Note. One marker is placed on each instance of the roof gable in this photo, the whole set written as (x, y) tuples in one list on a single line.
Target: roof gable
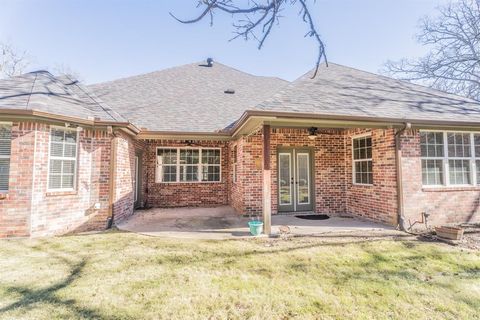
[(188, 98)]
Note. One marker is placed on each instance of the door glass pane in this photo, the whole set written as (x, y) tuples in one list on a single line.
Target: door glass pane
[(284, 177), (303, 178)]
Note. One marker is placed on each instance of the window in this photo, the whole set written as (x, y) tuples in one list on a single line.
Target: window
[(459, 153), (189, 160), (362, 160), (432, 153), (450, 158), (188, 165), (5, 150), (62, 159), (234, 169), (167, 165)]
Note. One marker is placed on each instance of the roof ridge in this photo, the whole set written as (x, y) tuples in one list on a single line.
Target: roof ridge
[(197, 63), (93, 98), (31, 91)]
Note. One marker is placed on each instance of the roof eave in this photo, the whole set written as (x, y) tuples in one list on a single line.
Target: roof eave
[(275, 116)]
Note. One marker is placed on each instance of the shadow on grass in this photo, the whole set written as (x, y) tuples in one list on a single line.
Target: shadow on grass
[(48, 295)]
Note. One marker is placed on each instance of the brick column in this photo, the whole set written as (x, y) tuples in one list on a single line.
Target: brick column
[(267, 182)]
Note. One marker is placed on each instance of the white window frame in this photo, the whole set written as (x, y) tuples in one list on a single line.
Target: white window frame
[(9, 157), (50, 157), (445, 160), (354, 161), (178, 165), (234, 164)]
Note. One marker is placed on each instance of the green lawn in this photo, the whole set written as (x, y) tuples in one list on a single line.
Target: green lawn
[(120, 275)]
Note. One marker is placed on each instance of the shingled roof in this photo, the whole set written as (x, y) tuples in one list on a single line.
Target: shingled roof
[(41, 91), (188, 98), (342, 91)]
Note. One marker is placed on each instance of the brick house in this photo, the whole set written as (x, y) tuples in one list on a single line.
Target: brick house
[(348, 142)]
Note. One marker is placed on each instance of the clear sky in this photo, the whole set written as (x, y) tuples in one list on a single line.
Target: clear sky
[(103, 40)]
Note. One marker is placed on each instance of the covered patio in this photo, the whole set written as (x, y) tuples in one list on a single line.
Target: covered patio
[(222, 222)]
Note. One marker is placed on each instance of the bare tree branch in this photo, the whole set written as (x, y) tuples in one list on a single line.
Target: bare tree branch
[(453, 63), (257, 20), (12, 62)]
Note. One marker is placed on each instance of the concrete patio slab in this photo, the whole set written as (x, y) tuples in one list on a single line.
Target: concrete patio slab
[(224, 223)]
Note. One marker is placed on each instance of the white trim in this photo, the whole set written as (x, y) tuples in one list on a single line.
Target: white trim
[(135, 184), (178, 165), (354, 161), (294, 165), (75, 174), (289, 154), (361, 135), (9, 157), (445, 160), (308, 178), (234, 163)]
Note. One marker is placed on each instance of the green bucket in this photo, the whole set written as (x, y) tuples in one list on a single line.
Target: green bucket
[(256, 227)]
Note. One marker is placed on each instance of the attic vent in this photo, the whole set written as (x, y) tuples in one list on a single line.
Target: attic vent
[(209, 62), (229, 91)]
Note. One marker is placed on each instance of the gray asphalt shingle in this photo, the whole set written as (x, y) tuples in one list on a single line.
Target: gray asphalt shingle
[(41, 91), (188, 98), (344, 91)]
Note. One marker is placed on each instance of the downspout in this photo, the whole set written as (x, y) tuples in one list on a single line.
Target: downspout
[(113, 169), (398, 161)]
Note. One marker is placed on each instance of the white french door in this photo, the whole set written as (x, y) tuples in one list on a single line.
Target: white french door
[(295, 180)]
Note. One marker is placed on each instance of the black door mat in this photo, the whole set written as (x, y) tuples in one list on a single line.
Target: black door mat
[(313, 216)]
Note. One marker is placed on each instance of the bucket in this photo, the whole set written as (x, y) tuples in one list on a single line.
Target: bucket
[(256, 227)]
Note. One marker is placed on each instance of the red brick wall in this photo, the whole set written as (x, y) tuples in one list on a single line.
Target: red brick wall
[(15, 208), (236, 187), (84, 209), (184, 193), (126, 147), (329, 169), (445, 204), (30, 210), (377, 202), (335, 193)]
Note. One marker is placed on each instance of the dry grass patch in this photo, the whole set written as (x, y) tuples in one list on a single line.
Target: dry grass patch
[(128, 276)]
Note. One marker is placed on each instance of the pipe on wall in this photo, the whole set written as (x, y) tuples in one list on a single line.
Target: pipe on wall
[(398, 158)]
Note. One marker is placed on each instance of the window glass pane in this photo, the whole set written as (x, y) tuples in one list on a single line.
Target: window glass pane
[(476, 139), (458, 144), (477, 165), (169, 173), (432, 172), (62, 171), (55, 181), (189, 173), (4, 173), (362, 148), (5, 140), (363, 172), (55, 166), (56, 149), (431, 144), (210, 156), (68, 167), (57, 135), (71, 136), (211, 173), (166, 156), (459, 171), (70, 150), (67, 181), (189, 156)]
